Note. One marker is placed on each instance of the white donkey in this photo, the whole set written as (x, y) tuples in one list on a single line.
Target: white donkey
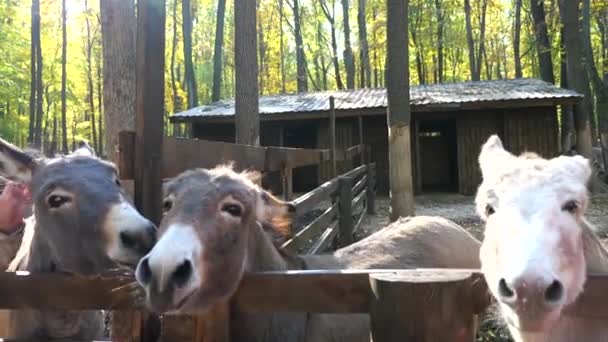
[(538, 248)]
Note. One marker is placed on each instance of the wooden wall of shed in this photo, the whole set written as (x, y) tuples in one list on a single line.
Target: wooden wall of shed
[(532, 130), (375, 135), (346, 136), (225, 132), (473, 129)]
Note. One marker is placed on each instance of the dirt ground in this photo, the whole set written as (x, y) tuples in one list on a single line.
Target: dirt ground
[(461, 210)]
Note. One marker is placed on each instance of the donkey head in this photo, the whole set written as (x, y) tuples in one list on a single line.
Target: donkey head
[(83, 217), (532, 255), (203, 243)]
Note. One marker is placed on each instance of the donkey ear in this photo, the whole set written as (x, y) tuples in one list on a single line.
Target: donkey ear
[(15, 164), (274, 212), (492, 156), (84, 149)]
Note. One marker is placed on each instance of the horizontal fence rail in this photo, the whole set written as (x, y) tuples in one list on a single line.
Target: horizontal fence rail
[(350, 196), (316, 291)]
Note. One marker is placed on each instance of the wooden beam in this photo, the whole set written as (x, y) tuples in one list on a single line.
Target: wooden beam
[(325, 240), (126, 154), (313, 229), (422, 307), (332, 135), (149, 106), (312, 198), (345, 236), (362, 155), (371, 189)]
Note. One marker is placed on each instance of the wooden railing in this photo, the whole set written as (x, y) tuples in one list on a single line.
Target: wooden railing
[(404, 305), (351, 194)]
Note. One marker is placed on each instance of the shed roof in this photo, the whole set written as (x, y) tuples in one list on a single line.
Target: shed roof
[(446, 96)]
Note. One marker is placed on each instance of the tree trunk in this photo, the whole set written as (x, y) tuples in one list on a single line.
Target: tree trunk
[(543, 44), (300, 55), (176, 99), (330, 15), (187, 33), (577, 77), (39, 90), (440, 29), (118, 36), (176, 104), (365, 74), (600, 86), (100, 136), (349, 58), (282, 46), (64, 52), (246, 73), (91, 95), (568, 138), (400, 163), (482, 37), (261, 52), (470, 41), (218, 51), (35, 31), (516, 39)]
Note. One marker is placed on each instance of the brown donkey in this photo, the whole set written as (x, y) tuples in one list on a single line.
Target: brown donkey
[(82, 224), (538, 247), (219, 224)]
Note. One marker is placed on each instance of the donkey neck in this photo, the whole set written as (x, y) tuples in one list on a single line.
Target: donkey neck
[(263, 255)]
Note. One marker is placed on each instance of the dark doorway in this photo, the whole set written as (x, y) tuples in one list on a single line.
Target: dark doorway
[(302, 135), (438, 155)]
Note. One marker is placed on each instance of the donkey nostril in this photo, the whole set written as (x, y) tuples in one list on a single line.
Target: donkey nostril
[(182, 273), (554, 292), (143, 272), (504, 291), (127, 240)]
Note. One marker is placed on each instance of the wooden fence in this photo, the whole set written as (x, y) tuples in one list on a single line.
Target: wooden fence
[(404, 305), (350, 198)]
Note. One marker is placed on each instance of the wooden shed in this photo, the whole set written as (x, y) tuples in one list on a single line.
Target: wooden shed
[(449, 121)]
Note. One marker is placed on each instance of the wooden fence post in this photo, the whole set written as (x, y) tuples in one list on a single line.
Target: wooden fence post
[(422, 307), (370, 190), (287, 176), (332, 135), (346, 224)]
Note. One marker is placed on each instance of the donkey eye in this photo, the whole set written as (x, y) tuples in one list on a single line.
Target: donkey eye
[(56, 201), (167, 204), (570, 206), (232, 209), (489, 210), (117, 181)]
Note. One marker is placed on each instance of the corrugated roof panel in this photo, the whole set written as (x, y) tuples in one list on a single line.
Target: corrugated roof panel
[(422, 95)]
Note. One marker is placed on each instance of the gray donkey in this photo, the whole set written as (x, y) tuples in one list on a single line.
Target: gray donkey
[(82, 224)]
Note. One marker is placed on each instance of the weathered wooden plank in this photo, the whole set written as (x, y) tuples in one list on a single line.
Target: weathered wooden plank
[(351, 152), (312, 230), (329, 291), (325, 240), (345, 218), (371, 189), (287, 174), (422, 307), (126, 154), (355, 173), (358, 201), (360, 220), (149, 107), (332, 136), (361, 184), (312, 198), (214, 326)]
